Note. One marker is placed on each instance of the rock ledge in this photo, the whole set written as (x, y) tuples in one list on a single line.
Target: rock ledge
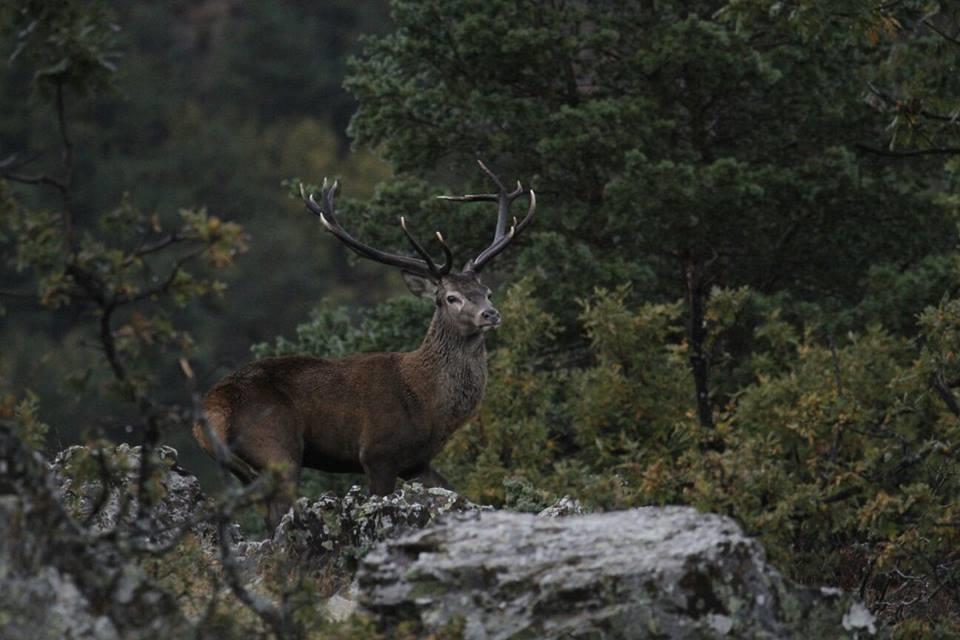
[(644, 573)]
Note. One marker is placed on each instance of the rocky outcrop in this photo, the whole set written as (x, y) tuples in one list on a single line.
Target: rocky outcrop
[(59, 579), (645, 573), (339, 530), (48, 605), (100, 489), (429, 561), (565, 506)]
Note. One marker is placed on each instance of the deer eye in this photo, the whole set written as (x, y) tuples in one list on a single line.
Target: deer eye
[(452, 299)]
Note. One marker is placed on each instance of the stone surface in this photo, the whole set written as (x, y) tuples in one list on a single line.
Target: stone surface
[(338, 608), (565, 506), (315, 532), (177, 495), (645, 573), (59, 579), (48, 606), (428, 558)]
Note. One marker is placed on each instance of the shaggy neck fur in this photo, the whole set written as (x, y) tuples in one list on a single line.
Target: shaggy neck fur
[(458, 367)]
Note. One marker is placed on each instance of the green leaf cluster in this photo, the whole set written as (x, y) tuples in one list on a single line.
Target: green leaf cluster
[(68, 43)]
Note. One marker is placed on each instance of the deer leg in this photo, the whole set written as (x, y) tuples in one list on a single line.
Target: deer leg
[(270, 441), (282, 499), (428, 476), (381, 474)]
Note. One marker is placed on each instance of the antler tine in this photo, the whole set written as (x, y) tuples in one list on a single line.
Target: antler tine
[(313, 206), (438, 272), (471, 197), (503, 198), (492, 175), (500, 243), (327, 215), (447, 255), (329, 194)]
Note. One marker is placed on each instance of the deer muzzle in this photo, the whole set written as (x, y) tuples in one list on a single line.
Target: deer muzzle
[(490, 317)]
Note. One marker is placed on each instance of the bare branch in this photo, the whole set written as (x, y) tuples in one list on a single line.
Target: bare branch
[(264, 609), (13, 161), (159, 245), (36, 179), (898, 105), (166, 284), (936, 382), (110, 346), (946, 151), (946, 36), (18, 295), (105, 479), (272, 616), (69, 241)]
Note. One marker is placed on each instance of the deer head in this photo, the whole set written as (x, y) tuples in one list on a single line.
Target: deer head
[(462, 300)]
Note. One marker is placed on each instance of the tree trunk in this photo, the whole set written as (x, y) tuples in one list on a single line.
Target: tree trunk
[(696, 336)]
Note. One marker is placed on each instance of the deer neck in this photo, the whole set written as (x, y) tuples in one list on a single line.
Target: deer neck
[(453, 368)]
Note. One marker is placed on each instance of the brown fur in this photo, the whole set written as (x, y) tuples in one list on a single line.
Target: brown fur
[(385, 414)]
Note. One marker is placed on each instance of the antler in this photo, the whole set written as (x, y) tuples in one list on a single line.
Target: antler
[(424, 266), (501, 237)]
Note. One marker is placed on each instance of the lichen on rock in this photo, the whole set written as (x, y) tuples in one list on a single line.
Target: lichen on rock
[(82, 473), (429, 561), (330, 528), (653, 572), (55, 572)]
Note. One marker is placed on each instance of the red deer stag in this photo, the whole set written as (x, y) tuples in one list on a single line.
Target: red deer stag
[(386, 414)]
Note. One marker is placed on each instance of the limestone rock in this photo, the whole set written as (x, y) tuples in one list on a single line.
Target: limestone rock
[(644, 573), (78, 471), (54, 571), (336, 529), (48, 606), (565, 506)]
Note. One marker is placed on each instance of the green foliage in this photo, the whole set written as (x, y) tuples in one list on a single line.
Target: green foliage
[(917, 99), (395, 325), (24, 415), (841, 458), (71, 43), (520, 495), (659, 137), (128, 266)]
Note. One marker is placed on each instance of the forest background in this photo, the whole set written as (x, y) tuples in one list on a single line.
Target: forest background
[(739, 292)]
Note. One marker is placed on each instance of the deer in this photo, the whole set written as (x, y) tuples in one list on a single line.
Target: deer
[(386, 415)]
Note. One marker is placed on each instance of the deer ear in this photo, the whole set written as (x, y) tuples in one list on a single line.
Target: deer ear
[(420, 285)]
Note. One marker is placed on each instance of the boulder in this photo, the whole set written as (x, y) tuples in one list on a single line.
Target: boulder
[(315, 533), (59, 579), (644, 573), (563, 507), (429, 561), (48, 605), (82, 473)]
